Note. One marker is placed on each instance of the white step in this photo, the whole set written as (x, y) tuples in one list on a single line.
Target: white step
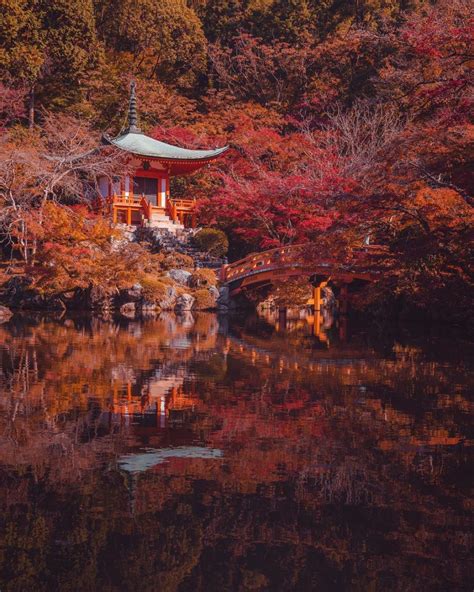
[(170, 226)]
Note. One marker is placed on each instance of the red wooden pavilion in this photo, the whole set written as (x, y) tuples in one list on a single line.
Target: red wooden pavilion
[(144, 198)]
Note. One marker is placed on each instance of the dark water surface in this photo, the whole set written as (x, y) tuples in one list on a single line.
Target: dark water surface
[(196, 453)]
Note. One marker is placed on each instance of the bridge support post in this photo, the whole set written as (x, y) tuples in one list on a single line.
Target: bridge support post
[(344, 299), (343, 328), (317, 298), (282, 318), (317, 295), (317, 323)]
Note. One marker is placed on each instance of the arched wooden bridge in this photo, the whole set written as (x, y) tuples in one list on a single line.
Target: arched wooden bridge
[(269, 267)]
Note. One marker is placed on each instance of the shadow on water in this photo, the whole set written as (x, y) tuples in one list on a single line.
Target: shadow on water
[(206, 453)]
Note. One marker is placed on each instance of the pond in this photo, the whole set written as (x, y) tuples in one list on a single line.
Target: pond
[(202, 453)]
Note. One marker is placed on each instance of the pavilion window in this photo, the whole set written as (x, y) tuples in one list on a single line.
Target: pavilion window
[(116, 186), (104, 186), (147, 187)]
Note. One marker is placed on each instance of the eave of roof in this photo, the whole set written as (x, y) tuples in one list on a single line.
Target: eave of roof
[(142, 145)]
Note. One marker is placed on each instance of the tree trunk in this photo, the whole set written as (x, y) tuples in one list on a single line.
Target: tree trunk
[(31, 108)]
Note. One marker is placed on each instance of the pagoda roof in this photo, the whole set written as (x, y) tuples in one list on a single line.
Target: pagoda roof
[(138, 143)]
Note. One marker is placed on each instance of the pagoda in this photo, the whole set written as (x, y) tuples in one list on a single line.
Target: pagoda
[(143, 199)]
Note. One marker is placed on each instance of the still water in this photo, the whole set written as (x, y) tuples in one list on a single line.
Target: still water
[(198, 453)]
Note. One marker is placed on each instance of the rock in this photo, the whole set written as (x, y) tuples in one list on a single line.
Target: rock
[(180, 276), (184, 303), (134, 293), (38, 302), (223, 300), (214, 292), (166, 301), (98, 301), (169, 300), (16, 287), (5, 314), (128, 310)]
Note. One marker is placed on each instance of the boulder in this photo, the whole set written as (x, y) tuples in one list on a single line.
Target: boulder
[(169, 299), (184, 303), (5, 314), (39, 302), (180, 276), (128, 310), (165, 301), (100, 302), (214, 292), (223, 300), (134, 293)]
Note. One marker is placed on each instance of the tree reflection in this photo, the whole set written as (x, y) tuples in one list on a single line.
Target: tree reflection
[(265, 462)]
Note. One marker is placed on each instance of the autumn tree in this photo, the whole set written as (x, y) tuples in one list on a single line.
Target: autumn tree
[(59, 163), (252, 70), (64, 236), (12, 105)]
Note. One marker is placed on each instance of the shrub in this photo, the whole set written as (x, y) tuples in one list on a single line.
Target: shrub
[(203, 278), (212, 241), (204, 300), (154, 288), (178, 261)]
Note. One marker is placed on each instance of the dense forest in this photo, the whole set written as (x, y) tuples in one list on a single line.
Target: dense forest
[(350, 122)]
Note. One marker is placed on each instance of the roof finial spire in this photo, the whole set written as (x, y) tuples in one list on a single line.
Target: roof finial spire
[(132, 111)]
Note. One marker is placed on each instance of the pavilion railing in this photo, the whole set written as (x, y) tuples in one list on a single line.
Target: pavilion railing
[(176, 209), (184, 204), (126, 199)]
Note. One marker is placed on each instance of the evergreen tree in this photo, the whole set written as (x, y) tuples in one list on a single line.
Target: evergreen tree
[(73, 50), (22, 42), (160, 38)]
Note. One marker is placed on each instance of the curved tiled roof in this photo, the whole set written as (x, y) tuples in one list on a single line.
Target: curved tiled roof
[(138, 143)]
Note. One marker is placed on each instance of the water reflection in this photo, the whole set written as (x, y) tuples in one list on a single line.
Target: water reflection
[(190, 453)]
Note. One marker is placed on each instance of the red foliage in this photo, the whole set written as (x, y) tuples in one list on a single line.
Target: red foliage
[(12, 105)]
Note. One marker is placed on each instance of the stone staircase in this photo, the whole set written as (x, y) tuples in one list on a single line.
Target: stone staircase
[(178, 240)]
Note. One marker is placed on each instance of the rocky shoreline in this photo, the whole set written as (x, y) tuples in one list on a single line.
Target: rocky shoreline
[(178, 290)]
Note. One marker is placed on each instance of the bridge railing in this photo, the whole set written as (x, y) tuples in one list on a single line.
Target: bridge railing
[(257, 262), (293, 256)]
